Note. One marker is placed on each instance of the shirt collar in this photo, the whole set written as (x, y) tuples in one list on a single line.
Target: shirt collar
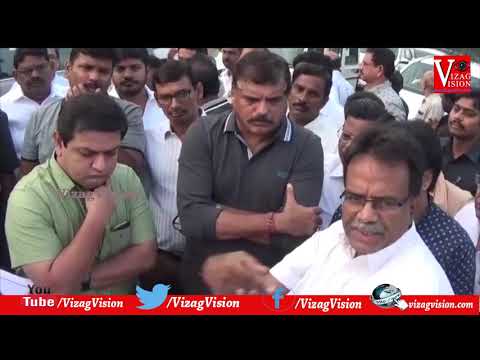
[(59, 176), (384, 85), (285, 131), (325, 110), (16, 92), (213, 103), (473, 154), (337, 167), (378, 259)]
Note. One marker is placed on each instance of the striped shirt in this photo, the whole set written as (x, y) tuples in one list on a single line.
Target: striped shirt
[(163, 151)]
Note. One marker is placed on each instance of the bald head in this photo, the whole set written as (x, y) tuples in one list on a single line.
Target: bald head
[(427, 83)]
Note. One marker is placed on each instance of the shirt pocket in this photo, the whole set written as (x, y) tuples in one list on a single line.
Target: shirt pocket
[(119, 238)]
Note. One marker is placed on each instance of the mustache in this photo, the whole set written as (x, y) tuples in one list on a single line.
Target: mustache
[(261, 119), (375, 228), (92, 86), (36, 82), (456, 123), (301, 104), (128, 81)]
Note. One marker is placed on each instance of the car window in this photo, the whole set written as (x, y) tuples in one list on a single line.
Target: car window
[(395, 51), (421, 53), (6, 62), (412, 76), (351, 56), (473, 52)]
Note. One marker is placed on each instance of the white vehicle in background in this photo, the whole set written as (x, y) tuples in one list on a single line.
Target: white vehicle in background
[(412, 76), (403, 56)]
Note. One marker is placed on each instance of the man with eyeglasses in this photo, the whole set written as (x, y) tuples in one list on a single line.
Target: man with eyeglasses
[(376, 70), (33, 73), (375, 243), (446, 237), (250, 179), (177, 93), (363, 110), (89, 70), (461, 151)]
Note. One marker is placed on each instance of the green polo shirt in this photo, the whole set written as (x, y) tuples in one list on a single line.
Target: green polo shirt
[(43, 217)]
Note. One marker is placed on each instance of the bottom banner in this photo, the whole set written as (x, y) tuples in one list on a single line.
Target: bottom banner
[(276, 304)]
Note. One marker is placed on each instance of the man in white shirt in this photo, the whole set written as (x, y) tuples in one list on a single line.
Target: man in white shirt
[(363, 110), (177, 92), (376, 69), (343, 89), (206, 75), (309, 104), (431, 110), (33, 73), (60, 81), (130, 75), (230, 56), (375, 243)]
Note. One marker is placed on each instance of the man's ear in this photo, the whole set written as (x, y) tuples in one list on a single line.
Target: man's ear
[(58, 141), (15, 74), (427, 179), (382, 69), (51, 67), (68, 68), (199, 92)]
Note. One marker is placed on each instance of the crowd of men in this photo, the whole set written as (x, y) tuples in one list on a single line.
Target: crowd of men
[(133, 170)]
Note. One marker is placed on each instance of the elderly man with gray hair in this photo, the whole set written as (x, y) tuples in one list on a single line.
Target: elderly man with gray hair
[(431, 110)]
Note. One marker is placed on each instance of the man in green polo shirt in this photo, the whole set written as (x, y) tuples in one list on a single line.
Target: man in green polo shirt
[(79, 223)]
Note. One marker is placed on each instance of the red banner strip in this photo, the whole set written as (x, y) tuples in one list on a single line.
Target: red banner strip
[(234, 305)]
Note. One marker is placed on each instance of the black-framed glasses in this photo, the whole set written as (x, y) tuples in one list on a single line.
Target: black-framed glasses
[(181, 95), (378, 203), (41, 69)]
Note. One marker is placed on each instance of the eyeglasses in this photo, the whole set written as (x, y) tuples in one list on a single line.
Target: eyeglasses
[(179, 96), (41, 69), (378, 203)]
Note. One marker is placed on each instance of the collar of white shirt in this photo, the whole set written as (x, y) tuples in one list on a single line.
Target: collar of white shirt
[(16, 93), (150, 95), (378, 259), (333, 165)]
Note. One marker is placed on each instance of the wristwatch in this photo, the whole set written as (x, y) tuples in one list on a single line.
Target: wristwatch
[(86, 283)]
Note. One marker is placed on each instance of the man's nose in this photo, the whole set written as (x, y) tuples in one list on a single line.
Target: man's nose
[(367, 213), (302, 96), (99, 163), (174, 103), (262, 108), (94, 75)]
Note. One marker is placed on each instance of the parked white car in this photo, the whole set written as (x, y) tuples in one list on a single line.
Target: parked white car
[(412, 76)]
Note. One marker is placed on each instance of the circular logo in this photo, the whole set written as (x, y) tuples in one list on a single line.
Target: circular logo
[(388, 296), (461, 65)]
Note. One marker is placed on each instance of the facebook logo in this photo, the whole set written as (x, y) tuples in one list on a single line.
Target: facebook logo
[(277, 296)]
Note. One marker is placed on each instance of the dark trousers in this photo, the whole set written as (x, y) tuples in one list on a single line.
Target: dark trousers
[(165, 271), (4, 254)]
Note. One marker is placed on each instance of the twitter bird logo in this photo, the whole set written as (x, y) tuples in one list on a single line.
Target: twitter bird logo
[(152, 299)]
